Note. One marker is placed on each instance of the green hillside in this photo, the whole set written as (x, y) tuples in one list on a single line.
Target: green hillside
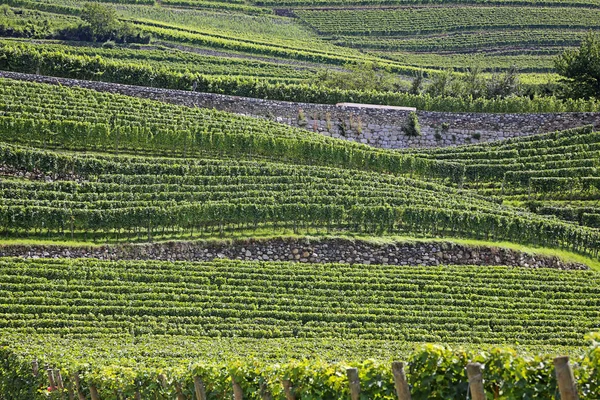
[(436, 257), (275, 50), (551, 174), (81, 166)]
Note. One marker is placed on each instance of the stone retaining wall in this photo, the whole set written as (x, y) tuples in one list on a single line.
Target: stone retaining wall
[(317, 250), (378, 127)]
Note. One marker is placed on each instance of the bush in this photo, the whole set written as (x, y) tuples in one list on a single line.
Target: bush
[(580, 68), (102, 25), (412, 127)]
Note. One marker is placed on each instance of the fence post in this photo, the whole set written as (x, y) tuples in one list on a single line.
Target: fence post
[(35, 367), (288, 389), (354, 383), (70, 391), (51, 379), (94, 393), (238, 393), (80, 395), (475, 374), (567, 385), (59, 382), (58, 379), (402, 389), (265, 394), (180, 395), (199, 388)]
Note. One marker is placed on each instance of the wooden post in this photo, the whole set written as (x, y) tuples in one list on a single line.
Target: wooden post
[(265, 394), (238, 393), (199, 388), (59, 382), (94, 393), (35, 367), (70, 391), (80, 395), (402, 389), (163, 380), (354, 383), (51, 379), (180, 395), (58, 379), (288, 389), (475, 374), (567, 385)]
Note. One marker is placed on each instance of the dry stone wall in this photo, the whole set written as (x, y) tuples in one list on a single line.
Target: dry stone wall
[(316, 250), (379, 127)]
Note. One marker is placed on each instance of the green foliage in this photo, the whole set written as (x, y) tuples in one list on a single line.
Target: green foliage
[(102, 19), (120, 367), (59, 63), (554, 173), (401, 22), (33, 24), (581, 68), (472, 85), (361, 77), (228, 298), (412, 127)]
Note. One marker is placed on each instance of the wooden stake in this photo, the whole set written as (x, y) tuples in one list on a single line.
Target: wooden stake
[(58, 379), (567, 385), (35, 367), (163, 380), (71, 392), (475, 374), (265, 394), (288, 389), (352, 374), (402, 389), (94, 393), (51, 379), (199, 388), (238, 393), (180, 395), (80, 395)]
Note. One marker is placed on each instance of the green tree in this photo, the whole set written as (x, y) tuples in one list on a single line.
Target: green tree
[(363, 76), (504, 85), (441, 83), (102, 20), (581, 68), (417, 83), (474, 83)]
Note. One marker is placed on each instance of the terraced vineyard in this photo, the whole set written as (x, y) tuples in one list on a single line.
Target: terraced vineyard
[(269, 56), (552, 174), (154, 171), (301, 256)]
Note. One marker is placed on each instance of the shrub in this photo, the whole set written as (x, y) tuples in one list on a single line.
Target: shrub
[(412, 127)]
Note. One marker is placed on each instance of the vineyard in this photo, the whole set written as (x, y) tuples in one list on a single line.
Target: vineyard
[(553, 174), (271, 50), (153, 247)]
